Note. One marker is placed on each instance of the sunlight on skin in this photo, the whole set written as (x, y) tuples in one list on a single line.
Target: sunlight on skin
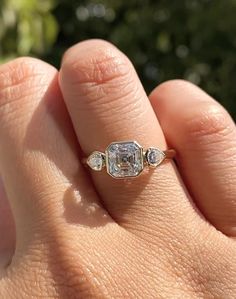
[(82, 234)]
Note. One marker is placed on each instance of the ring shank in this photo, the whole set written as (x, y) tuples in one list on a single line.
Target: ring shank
[(170, 153)]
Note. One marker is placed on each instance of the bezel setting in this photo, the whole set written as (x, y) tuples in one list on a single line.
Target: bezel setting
[(96, 161), (154, 156), (124, 159), (127, 159)]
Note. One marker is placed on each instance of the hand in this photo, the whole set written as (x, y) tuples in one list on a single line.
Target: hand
[(81, 234)]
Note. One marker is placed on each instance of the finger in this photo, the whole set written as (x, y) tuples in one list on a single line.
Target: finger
[(205, 137), (107, 103), (7, 229), (39, 154), (63, 235)]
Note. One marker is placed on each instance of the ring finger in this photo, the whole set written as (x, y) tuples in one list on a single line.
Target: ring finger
[(107, 103)]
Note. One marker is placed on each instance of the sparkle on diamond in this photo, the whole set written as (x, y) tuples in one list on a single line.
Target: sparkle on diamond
[(154, 156), (96, 161), (124, 159)]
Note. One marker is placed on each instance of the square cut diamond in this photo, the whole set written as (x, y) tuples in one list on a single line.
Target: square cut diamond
[(124, 159)]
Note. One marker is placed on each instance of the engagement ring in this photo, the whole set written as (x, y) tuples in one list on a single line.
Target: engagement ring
[(127, 159)]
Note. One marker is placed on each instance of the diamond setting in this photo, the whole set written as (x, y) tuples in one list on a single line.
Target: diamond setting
[(154, 156), (96, 161), (124, 159)]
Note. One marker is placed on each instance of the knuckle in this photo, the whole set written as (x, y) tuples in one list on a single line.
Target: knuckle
[(100, 65), (175, 83), (102, 71), (210, 121), (21, 77), (17, 71), (165, 89)]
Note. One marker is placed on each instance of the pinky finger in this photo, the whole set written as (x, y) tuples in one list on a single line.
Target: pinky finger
[(205, 137)]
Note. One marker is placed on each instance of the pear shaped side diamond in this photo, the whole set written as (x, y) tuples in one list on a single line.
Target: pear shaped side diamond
[(96, 161), (154, 156)]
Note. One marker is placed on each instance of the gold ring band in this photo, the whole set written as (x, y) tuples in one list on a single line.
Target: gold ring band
[(170, 153), (126, 159)]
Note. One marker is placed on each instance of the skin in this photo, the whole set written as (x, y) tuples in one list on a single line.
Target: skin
[(170, 233)]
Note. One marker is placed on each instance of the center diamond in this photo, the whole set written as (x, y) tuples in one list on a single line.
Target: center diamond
[(124, 159)]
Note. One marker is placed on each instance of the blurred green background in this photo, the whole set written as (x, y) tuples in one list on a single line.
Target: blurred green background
[(191, 39)]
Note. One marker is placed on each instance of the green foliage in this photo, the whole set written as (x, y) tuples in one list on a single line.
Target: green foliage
[(26, 27), (190, 39)]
